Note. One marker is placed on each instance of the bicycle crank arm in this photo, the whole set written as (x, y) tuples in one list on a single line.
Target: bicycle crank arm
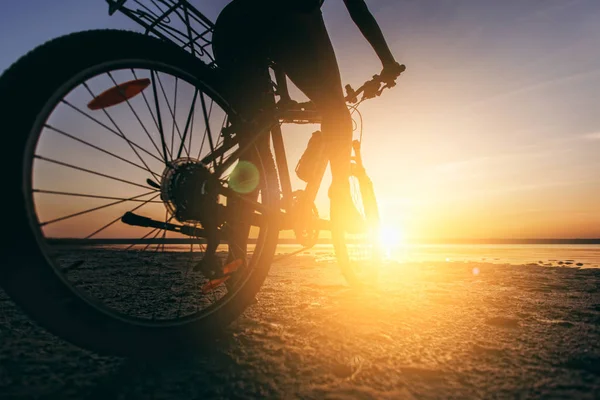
[(130, 218), (288, 222)]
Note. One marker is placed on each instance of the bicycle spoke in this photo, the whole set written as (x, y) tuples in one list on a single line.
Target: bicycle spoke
[(94, 209), (206, 129), (93, 196), (135, 114), (142, 238), (198, 287), (110, 118), (202, 143), (146, 101), (170, 109), (88, 171), (153, 238), (174, 119), (119, 218), (97, 148), (207, 122), (153, 318), (160, 124), (164, 236), (187, 271), (187, 126), (192, 126), (119, 134), (222, 137)]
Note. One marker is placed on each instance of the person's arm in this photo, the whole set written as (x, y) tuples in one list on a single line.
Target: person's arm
[(364, 20)]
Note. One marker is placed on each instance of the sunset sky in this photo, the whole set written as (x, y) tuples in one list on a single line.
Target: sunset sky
[(493, 131)]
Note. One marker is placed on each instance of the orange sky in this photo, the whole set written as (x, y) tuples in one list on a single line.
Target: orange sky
[(493, 131)]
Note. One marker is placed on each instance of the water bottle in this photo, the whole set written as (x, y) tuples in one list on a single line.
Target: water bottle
[(309, 161)]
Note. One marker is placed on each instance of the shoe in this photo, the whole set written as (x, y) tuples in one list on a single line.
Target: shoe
[(343, 212), (210, 266)]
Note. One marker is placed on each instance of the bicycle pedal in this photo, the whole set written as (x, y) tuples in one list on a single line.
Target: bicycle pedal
[(227, 272)]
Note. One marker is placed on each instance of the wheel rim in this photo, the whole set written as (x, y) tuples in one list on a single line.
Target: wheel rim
[(86, 168), (360, 254)]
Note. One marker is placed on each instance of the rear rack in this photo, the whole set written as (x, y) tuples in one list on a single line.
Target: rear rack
[(176, 21)]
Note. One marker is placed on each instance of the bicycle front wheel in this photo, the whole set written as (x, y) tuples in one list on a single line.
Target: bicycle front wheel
[(360, 255), (121, 202)]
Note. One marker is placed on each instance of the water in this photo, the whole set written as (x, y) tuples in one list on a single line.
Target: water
[(559, 255), (548, 254)]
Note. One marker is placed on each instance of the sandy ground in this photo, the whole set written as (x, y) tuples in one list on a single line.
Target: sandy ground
[(431, 330)]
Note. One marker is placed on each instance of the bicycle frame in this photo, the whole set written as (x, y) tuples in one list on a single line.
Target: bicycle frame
[(181, 23), (273, 127)]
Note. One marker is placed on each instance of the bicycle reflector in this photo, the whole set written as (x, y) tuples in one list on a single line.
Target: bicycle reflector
[(118, 94)]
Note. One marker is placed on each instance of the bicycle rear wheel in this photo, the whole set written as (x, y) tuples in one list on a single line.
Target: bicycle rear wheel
[(121, 202), (360, 255)]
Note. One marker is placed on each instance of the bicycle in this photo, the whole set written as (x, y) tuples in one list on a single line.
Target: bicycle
[(119, 281)]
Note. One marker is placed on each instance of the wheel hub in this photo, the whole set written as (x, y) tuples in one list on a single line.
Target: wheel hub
[(188, 190)]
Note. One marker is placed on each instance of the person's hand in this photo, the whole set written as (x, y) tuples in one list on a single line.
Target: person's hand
[(391, 71)]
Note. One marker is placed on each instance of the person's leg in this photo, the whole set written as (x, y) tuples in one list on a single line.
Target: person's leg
[(256, 97), (305, 51), (303, 48), (240, 55)]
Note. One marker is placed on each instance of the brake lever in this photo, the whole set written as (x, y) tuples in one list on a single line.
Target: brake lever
[(351, 94), (370, 89)]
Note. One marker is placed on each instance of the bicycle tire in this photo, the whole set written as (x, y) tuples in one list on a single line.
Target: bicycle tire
[(359, 255), (26, 274)]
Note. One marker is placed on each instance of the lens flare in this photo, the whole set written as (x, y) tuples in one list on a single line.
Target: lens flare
[(244, 178), (389, 238)]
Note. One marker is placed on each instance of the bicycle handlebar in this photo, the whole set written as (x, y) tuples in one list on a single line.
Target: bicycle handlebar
[(369, 90), (372, 88)]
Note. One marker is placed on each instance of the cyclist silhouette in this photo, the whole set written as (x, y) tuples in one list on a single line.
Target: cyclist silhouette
[(292, 33)]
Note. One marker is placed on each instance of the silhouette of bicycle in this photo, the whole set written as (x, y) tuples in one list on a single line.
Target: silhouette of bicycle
[(144, 216)]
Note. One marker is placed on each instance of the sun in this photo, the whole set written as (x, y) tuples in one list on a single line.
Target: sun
[(390, 237)]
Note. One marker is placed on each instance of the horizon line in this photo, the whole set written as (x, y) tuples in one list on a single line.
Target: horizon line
[(115, 241)]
